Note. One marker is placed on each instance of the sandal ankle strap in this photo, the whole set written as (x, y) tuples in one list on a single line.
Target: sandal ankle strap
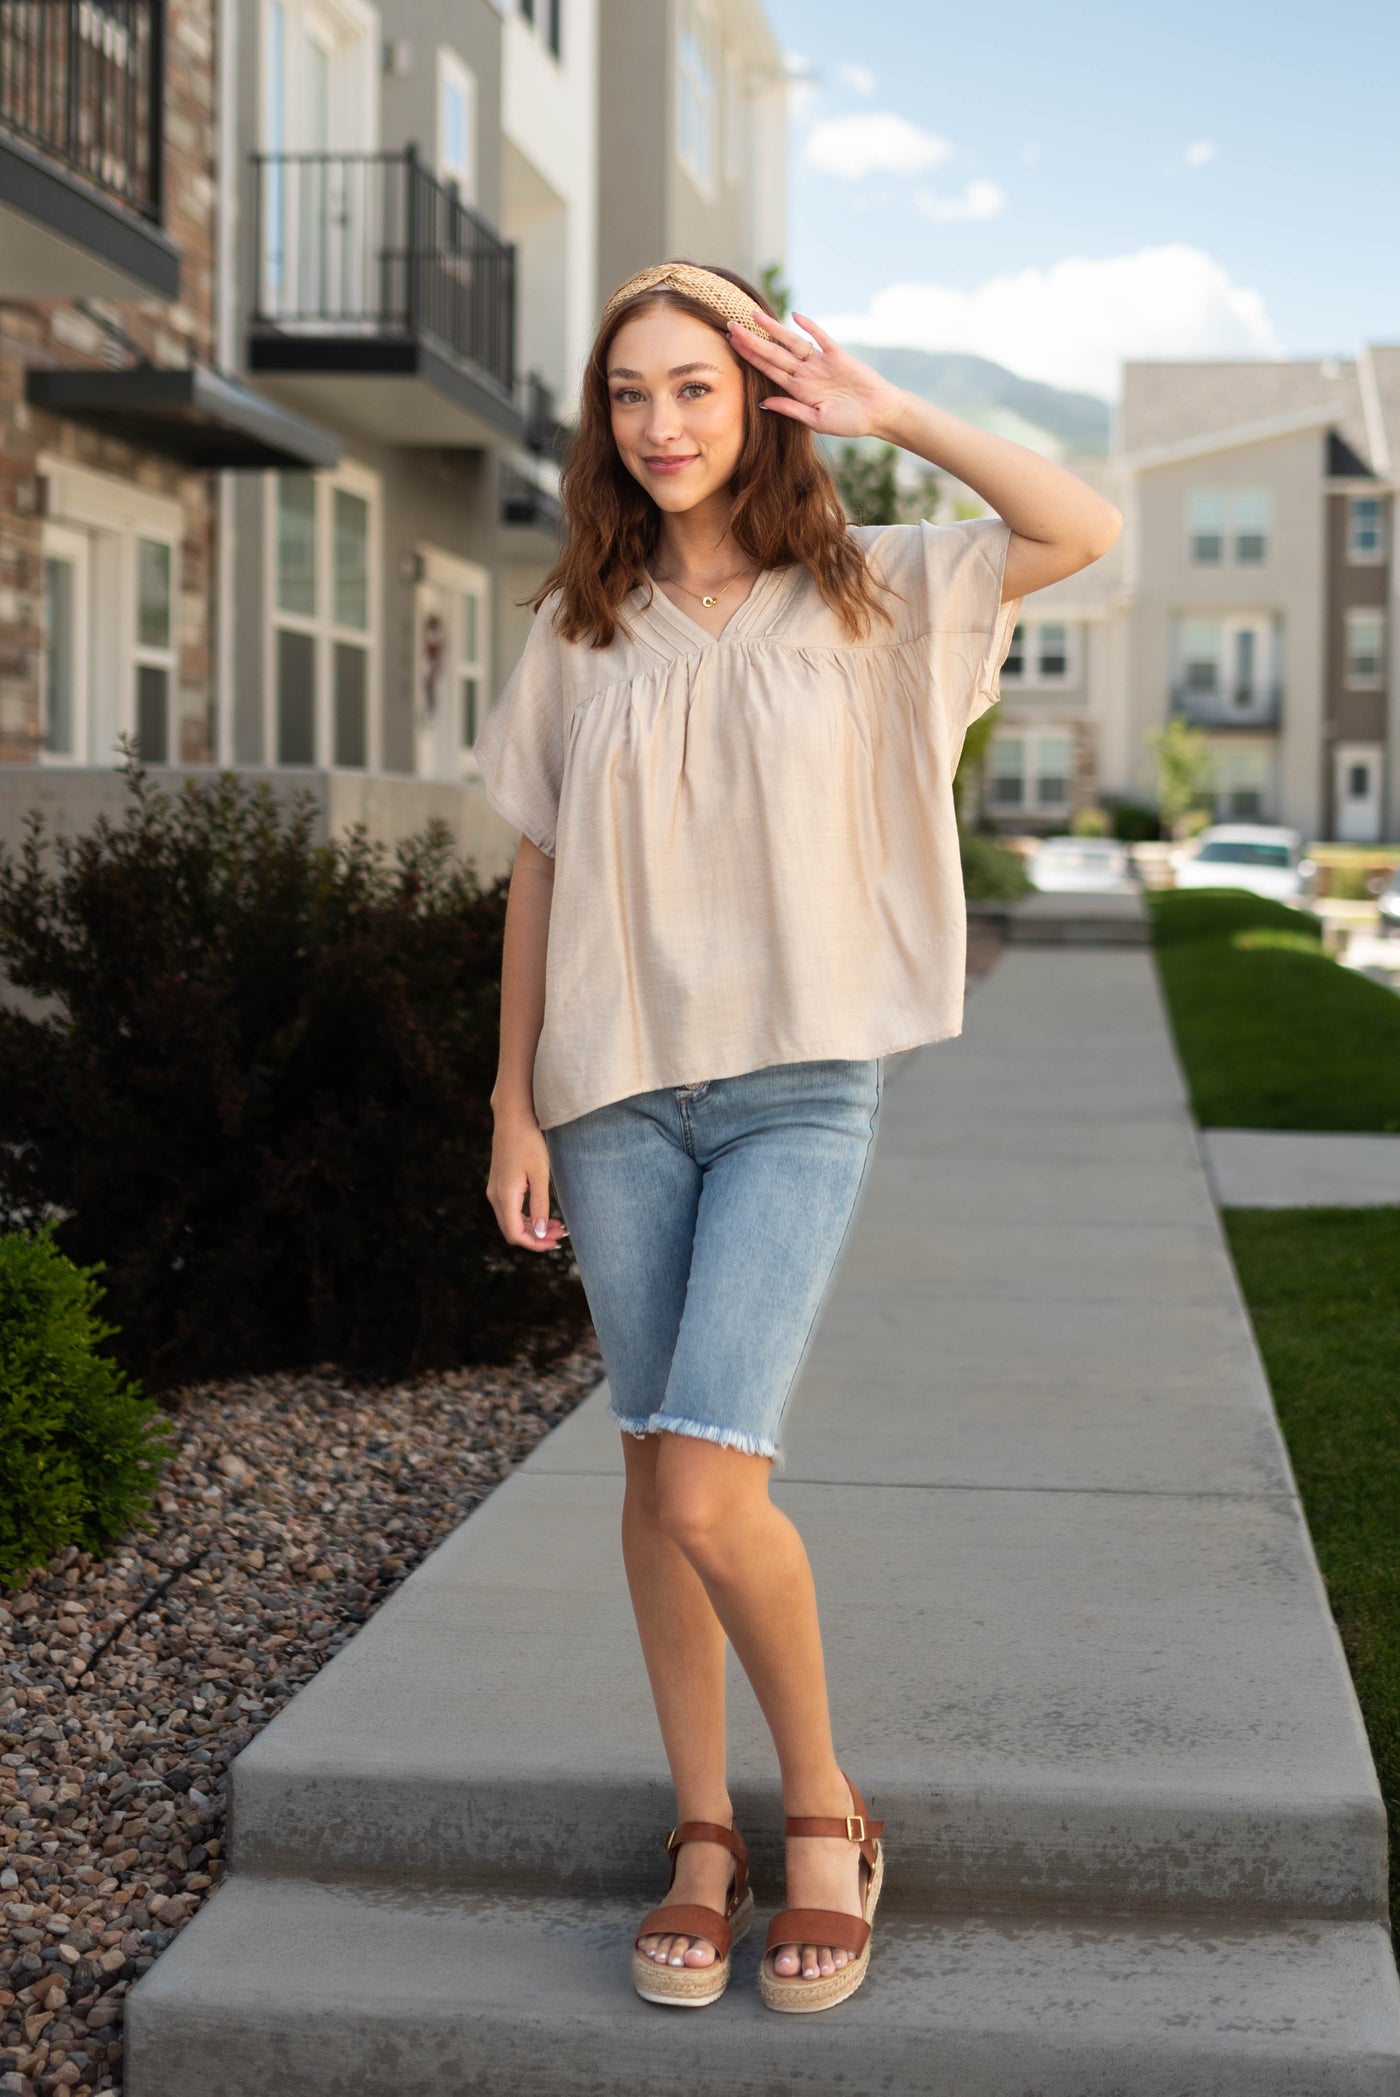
[(712, 1831), (848, 1827)]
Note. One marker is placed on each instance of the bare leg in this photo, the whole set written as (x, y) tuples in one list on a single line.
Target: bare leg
[(683, 1643), (711, 1505)]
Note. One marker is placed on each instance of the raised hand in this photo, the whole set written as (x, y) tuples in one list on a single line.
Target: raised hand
[(826, 387)]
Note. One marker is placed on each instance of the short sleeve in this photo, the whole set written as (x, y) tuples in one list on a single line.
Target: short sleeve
[(520, 749), (970, 629)]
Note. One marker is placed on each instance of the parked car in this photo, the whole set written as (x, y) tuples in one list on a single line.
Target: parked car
[(1265, 859), (1388, 904), (1067, 863)]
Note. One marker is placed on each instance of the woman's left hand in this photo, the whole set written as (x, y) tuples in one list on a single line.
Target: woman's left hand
[(825, 386)]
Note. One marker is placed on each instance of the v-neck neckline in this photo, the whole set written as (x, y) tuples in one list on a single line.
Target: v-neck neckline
[(736, 624)]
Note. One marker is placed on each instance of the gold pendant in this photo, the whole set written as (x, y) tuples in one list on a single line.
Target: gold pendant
[(709, 600)]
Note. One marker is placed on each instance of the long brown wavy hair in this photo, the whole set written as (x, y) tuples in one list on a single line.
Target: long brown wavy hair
[(786, 508)]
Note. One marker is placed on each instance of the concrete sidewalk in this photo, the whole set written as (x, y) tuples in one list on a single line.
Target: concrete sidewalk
[(1301, 1169), (1081, 1659)]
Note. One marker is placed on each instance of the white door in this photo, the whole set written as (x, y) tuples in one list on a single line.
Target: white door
[(449, 664), (66, 733), (1358, 793)]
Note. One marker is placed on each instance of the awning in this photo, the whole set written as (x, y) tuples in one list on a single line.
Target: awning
[(198, 416)]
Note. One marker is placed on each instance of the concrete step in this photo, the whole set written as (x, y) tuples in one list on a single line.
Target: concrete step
[(1131, 1700), (304, 1989)]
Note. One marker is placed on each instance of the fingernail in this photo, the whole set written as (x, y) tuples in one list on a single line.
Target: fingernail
[(541, 1227)]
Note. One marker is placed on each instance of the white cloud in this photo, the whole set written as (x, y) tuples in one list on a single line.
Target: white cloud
[(979, 199), (873, 142), (859, 79), (803, 84), (1200, 151), (1073, 323)]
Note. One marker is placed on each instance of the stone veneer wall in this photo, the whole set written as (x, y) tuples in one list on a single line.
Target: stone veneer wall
[(53, 333)]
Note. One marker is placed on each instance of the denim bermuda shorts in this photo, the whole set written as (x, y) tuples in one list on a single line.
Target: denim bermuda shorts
[(708, 1222)]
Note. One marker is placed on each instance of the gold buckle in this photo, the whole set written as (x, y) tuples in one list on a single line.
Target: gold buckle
[(854, 1821), (671, 1840)]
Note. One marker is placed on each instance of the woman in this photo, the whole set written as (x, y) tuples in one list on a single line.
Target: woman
[(729, 748)]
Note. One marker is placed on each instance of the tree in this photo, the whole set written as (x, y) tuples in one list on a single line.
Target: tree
[(770, 279), (1185, 773)]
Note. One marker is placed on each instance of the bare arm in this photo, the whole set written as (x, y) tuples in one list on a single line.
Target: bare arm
[(519, 1155), (1058, 522)]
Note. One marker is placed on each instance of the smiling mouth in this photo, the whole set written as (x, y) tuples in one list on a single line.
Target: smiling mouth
[(666, 462)]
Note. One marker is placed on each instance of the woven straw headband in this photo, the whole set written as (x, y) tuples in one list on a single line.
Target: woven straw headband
[(716, 292)]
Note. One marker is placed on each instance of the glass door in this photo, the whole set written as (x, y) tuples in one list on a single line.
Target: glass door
[(65, 733)]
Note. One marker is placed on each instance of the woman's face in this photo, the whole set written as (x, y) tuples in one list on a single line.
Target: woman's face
[(677, 400)]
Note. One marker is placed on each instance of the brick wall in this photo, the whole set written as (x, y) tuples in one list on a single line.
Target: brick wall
[(54, 334)]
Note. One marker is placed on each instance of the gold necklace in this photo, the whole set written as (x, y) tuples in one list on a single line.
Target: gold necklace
[(715, 597)]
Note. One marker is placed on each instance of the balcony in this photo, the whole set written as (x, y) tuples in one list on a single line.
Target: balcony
[(82, 130), (382, 301), (1230, 707)]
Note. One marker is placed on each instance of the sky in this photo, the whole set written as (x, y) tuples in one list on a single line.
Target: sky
[(1058, 187)]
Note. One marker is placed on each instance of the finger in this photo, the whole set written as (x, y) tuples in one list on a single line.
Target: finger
[(539, 1204), (796, 410), (774, 358), (818, 335), (785, 334)]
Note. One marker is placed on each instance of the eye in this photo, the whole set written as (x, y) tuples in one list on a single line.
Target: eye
[(695, 386), (624, 395)]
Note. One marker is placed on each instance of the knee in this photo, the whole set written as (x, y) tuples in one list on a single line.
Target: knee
[(697, 1516)]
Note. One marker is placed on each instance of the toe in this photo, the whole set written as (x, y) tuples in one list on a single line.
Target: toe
[(825, 1959), (811, 1965), (679, 1947), (785, 1961), (700, 1953)]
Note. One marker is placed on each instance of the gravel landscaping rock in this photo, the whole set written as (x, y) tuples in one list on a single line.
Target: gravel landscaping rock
[(292, 1505)]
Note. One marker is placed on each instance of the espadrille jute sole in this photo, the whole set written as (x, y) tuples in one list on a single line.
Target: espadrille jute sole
[(795, 1995), (691, 1987)]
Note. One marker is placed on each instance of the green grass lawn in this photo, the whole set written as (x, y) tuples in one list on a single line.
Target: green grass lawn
[(1272, 1033), (1323, 1288)]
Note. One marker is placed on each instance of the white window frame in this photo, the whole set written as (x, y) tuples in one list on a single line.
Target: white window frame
[(1364, 680), (1032, 771), (1371, 557), (1229, 503), (62, 543), (459, 579), (112, 515), (697, 87), (320, 626), (145, 655), (1229, 625), (1030, 677), (350, 31), (453, 73)]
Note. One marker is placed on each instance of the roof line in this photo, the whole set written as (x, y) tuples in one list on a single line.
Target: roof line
[(1376, 438), (1295, 420)]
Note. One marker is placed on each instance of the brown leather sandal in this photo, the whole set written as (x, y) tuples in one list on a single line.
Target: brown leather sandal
[(799, 1926), (690, 1987)]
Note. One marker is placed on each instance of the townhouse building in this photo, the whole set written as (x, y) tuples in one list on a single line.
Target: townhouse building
[(319, 362), (1252, 593)]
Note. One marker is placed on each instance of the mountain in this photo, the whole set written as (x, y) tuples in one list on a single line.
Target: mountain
[(1047, 418)]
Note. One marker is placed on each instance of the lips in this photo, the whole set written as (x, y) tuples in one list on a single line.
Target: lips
[(667, 464)]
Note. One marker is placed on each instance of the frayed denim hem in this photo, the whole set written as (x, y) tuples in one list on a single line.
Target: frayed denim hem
[(703, 1431)]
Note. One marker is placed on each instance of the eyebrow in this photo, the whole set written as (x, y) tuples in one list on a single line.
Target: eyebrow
[(677, 371)]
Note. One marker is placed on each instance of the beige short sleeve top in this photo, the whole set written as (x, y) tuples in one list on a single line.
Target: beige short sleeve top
[(756, 853)]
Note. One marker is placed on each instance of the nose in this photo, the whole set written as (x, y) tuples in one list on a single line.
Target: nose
[(663, 423)]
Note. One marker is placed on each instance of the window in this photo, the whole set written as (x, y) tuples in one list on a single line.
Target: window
[(323, 623), (473, 664), (456, 150), (1052, 655), (1200, 654), (1207, 528), (1031, 772), (1009, 771), (1358, 782), (554, 27), (1239, 521), (1251, 527), (1365, 530), (1042, 652), (695, 92), (65, 674), (155, 659), (1365, 648)]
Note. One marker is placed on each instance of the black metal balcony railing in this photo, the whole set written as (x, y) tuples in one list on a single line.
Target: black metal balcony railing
[(372, 244), (82, 82), (1234, 706)]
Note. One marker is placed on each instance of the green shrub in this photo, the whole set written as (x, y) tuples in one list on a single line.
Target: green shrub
[(991, 874), (263, 1096), (1089, 822), (81, 1450), (1134, 822)]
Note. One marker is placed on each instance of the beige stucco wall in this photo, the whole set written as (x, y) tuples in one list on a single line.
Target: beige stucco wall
[(1289, 584)]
